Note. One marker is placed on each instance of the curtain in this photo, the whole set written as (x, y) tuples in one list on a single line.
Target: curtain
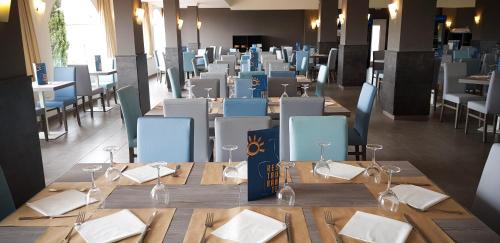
[(105, 9), (147, 30), (30, 43)]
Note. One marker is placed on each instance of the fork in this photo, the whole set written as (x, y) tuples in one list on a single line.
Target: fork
[(209, 222), (79, 221), (330, 221), (288, 228)]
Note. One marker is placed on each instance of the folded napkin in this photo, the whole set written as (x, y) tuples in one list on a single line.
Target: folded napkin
[(249, 226), (242, 168), (146, 173), (111, 228), (373, 228), (60, 203), (341, 170), (418, 197)]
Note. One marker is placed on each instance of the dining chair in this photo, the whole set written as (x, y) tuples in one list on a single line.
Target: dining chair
[(307, 132), (200, 86), (218, 68), (331, 64), (175, 85), (6, 201), (242, 88), (234, 131), (230, 58), (131, 109), (250, 74), (222, 77), (84, 88), (40, 112), (486, 204), (282, 74), (196, 71), (436, 83), (377, 67), (275, 86), (245, 107), (453, 91), (187, 59), (473, 65), (302, 62), (488, 63), (460, 54), (210, 55), (358, 134), (197, 109), (231, 67), (296, 106), (489, 108), (322, 79), (108, 83), (160, 66), (165, 139)]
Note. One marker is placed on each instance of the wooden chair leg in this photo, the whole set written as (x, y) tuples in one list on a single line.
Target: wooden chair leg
[(131, 155), (466, 130), (485, 130), (83, 104), (363, 153), (356, 149), (77, 113), (442, 111), (114, 95), (65, 119), (457, 115), (102, 102), (91, 104)]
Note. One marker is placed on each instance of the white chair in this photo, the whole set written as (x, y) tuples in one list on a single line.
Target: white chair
[(279, 66), (231, 67), (222, 77), (201, 84), (218, 68)]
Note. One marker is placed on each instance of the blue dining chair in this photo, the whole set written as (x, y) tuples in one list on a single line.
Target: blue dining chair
[(242, 88), (322, 79), (245, 107), (108, 83), (131, 109), (299, 57), (6, 202), (175, 85), (165, 139), (282, 74), (306, 132), (250, 74), (358, 135), (187, 58), (244, 58)]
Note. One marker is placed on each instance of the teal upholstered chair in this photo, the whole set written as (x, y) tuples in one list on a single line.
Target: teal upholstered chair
[(173, 76), (299, 57), (165, 139), (242, 88), (306, 132), (358, 135), (245, 107), (187, 58), (131, 109), (322, 80), (282, 74), (6, 202), (460, 54), (251, 73)]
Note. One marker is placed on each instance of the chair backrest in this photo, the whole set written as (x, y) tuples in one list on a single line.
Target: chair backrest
[(210, 54), (488, 63), (279, 54), (487, 202), (493, 97), (251, 73), (304, 65), (231, 66), (242, 88), (6, 202), (245, 107), (322, 80), (364, 110), (378, 55), (218, 68), (437, 70), (275, 87), (197, 109), (200, 85), (82, 78), (282, 74), (234, 131), (156, 59), (165, 139), (296, 106), (175, 85), (332, 59), (65, 74), (473, 65), (195, 67), (306, 132), (279, 66), (460, 54), (299, 60), (452, 72), (222, 77), (187, 62), (131, 109)]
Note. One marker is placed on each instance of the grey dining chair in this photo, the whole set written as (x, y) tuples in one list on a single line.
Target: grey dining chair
[(201, 84), (64, 97), (377, 67), (488, 63), (84, 88), (296, 106), (358, 134), (490, 108), (231, 67), (331, 64), (275, 86), (197, 109), (218, 68), (234, 131), (222, 77)]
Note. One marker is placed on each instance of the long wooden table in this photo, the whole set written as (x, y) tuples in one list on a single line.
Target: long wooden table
[(313, 196), (476, 79)]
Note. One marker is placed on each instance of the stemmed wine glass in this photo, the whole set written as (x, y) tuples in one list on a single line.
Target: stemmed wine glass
[(322, 167), (286, 194), (159, 193), (373, 170), (304, 88), (252, 90), (94, 192), (208, 92), (112, 173), (284, 90), (387, 199), (230, 173), (190, 87)]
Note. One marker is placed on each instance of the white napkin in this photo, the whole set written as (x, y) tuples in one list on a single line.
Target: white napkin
[(60, 203), (111, 228), (146, 173), (341, 170), (249, 226), (373, 228), (242, 168), (418, 197)]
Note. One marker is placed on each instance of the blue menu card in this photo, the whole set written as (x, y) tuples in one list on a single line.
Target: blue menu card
[(259, 82), (40, 73)]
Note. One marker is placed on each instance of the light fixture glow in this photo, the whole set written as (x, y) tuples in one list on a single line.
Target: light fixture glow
[(139, 13), (39, 6), (318, 22), (393, 10), (477, 19), (448, 23), (369, 16), (341, 19), (198, 24), (180, 22), (4, 10), (313, 24)]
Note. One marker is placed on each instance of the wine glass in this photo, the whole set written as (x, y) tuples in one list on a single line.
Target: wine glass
[(304, 90), (322, 167), (373, 170), (94, 192), (286, 194), (230, 173), (252, 90), (159, 193), (112, 173), (284, 90), (208, 92), (387, 199), (190, 91)]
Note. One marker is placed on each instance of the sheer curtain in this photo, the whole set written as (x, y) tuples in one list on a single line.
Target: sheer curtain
[(30, 43), (147, 31), (105, 9)]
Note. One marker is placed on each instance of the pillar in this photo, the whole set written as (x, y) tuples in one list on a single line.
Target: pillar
[(353, 47), (409, 60), (327, 30), (131, 62), (173, 49), (191, 34), (485, 33)]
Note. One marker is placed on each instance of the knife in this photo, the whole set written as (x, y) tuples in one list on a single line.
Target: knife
[(288, 228), (123, 168), (46, 217), (414, 225), (150, 220)]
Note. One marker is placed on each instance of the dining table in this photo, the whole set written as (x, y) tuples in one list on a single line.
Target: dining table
[(198, 190), (97, 74), (476, 79)]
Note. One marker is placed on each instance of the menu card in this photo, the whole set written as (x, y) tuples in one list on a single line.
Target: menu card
[(259, 82), (40, 73), (254, 59), (98, 63)]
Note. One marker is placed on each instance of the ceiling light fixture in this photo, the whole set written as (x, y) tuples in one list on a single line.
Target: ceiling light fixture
[(139, 14), (198, 24), (477, 19), (449, 23)]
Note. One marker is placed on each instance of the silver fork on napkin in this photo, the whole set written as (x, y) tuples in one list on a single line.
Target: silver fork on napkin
[(79, 221)]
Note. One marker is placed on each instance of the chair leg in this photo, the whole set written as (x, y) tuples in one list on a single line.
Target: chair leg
[(485, 130), (114, 94), (59, 115), (108, 98), (77, 113), (442, 111), (457, 115), (91, 104), (83, 104), (44, 127), (356, 149), (436, 90), (102, 102), (363, 153), (495, 121), (65, 119), (131, 155), (466, 130)]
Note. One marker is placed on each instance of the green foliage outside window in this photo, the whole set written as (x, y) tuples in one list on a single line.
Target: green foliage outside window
[(58, 41)]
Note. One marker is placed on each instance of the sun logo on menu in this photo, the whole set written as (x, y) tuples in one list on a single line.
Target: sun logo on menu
[(255, 82), (255, 146)]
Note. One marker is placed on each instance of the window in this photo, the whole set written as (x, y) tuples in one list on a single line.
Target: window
[(158, 30)]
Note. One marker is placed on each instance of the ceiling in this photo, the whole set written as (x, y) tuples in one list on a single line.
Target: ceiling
[(294, 4)]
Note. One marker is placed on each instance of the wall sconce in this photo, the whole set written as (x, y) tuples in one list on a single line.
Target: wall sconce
[(448, 23), (39, 6), (341, 19), (318, 22), (198, 24), (477, 19), (313, 24), (180, 22), (369, 16), (139, 13), (393, 10), (4, 11)]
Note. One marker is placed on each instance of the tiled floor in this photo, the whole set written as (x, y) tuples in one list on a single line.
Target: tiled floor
[(448, 156)]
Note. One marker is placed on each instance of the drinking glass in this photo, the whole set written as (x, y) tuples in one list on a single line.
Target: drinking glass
[(94, 191), (112, 173), (387, 199), (252, 90), (304, 90), (373, 170), (286, 194), (322, 167), (230, 173), (208, 92), (159, 193), (284, 90)]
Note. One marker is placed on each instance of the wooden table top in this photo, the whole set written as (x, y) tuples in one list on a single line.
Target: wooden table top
[(476, 79), (191, 199)]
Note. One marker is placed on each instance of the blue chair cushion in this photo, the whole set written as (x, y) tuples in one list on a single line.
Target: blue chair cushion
[(245, 107), (107, 86), (59, 102)]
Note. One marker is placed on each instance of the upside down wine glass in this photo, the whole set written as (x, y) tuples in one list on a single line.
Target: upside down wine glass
[(387, 199), (230, 173), (285, 94), (94, 192), (159, 193), (252, 90), (373, 170), (112, 173), (322, 167), (304, 90), (286, 194)]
